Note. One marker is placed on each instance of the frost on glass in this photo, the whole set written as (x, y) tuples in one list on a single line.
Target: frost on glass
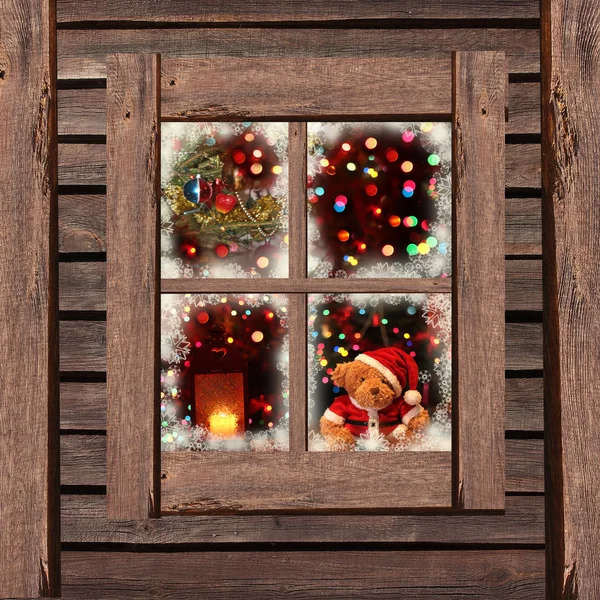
[(224, 372), (379, 199), (343, 327), (224, 207)]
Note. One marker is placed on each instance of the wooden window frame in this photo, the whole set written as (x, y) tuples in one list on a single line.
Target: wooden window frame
[(468, 88)]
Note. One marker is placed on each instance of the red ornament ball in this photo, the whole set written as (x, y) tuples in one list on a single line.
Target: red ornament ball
[(222, 250), (218, 185), (225, 203)]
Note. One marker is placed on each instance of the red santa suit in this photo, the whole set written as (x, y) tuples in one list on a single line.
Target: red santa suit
[(399, 369)]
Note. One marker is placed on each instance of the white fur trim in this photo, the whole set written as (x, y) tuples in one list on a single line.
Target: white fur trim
[(412, 397), (413, 412), (331, 416), (399, 432), (369, 360)]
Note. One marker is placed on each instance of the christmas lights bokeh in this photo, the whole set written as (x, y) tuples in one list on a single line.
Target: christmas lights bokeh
[(251, 326), (224, 207), (342, 326), (379, 199)]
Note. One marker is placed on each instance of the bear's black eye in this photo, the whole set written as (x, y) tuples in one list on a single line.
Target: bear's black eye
[(362, 379)]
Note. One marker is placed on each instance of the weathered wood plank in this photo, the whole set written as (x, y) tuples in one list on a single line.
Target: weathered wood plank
[(29, 493), (83, 346), (304, 575), (234, 88), (83, 111), (478, 282), (234, 482), (523, 280), (83, 462), (83, 520), (523, 222), (132, 283), (571, 215), (297, 11), (82, 53), (83, 405), (85, 164), (82, 224)]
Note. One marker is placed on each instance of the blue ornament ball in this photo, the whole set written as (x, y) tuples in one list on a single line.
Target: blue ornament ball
[(197, 190)]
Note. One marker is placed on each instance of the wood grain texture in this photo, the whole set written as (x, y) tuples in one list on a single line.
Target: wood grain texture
[(234, 88), (523, 285), (83, 462), (83, 521), (297, 200), (571, 217), (133, 145), (307, 575), (29, 493), (478, 237), (83, 346), (82, 224), (85, 164), (83, 111), (83, 405), (82, 54), (260, 11), (234, 482)]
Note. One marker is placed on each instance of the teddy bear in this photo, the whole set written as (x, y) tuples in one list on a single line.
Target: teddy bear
[(374, 404)]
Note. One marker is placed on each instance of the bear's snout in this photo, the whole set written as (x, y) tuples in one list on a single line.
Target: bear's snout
[(375, 391)]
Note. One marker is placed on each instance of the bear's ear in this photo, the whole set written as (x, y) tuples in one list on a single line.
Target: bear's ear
[(339, 374)]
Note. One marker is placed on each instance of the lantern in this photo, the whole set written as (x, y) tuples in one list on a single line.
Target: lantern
[(219, 386)]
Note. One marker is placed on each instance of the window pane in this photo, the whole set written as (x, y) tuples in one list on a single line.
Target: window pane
[(379, 199), (224, 200), (365, 353), (224, 372)]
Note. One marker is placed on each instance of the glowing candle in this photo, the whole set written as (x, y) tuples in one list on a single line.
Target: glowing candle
[(223, 424)]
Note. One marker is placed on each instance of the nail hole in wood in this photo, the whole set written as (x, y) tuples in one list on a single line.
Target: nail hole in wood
[(2, 73), (172, 82), (483, 112), (128, 115)]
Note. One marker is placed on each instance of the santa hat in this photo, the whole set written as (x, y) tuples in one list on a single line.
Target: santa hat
[(398, 368)]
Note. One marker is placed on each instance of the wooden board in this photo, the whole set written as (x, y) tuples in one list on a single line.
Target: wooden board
[(82, 225), (133, 307), (83, 521), (82, 53), (570, 85), (85, 164), (83, 405), (478, 266), (29, 538), (305, 88), (307, 574), (83, 111), (83, 346), (259, 11), (247, 482), (83, 462)]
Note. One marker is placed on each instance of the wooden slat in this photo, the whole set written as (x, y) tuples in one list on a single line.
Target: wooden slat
[(83, 346), (234, 88), (259, 11), (83, 111), (570, 87), (82, 224), (83, 405), (523, 279), (29, 538), (524, 404), (236, 482), (523, 226), (133, 143), (83, 462), (297, 200), (82, 53), (307, 575), (478, 253), (85, 164), (82, 286), (83, 520)]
